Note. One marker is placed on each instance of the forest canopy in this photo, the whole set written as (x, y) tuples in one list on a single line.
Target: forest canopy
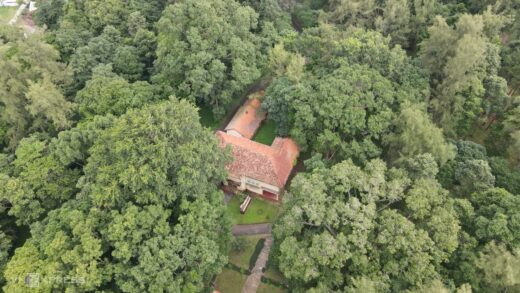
[(406, 114)]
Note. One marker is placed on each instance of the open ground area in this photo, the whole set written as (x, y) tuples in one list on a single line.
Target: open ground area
[(259, 211), (241, 258), (266, 133), (6, 13), (230, 281), (267, 288), (243, 255)]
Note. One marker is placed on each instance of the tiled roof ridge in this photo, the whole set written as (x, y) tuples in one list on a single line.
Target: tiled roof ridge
[(276, 156)]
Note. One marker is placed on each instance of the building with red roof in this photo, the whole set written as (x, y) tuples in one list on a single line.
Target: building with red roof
[(257, 167)]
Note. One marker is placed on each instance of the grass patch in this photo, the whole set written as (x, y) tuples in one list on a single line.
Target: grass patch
[(266, 133), (259, 211), (266, 288), (207, 119), (241, 258), (230, 281), (6, 13), (273, 274)]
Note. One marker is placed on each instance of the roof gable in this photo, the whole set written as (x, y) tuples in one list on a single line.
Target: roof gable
[(269, 164), (247, 118)]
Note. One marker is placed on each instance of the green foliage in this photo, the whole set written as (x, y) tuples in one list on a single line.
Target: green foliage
[(49, 13), (119, 187), (505, 177), (500, 268), (143, 169), (421, 166), (5, 240), (73, 250), (99, 50), (30, 88), (208, 51), (108, 93), (39, 183), (364, 228), (148, 203), (471, 159), (71, 146), (5, 246), (415, 134), (463, 62), (271, 11), (403, 20), (344, 103), (496, 216), (473, 175)]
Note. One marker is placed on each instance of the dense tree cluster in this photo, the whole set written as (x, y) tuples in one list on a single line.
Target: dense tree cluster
[(209, 50), (347, 227), (147, 202), (333, 98), (407, 114), (30, 88)]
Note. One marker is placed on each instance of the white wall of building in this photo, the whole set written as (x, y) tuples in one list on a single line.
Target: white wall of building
[(8, 3)]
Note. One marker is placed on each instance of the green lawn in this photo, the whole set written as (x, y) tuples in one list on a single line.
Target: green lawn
[(207, 119), (6, 13), (241, 258), (259, 211), (266, 288), (230, 281), (273, 274), (266, 133)]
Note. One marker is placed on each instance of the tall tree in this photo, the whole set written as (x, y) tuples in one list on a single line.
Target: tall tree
[(415, 134), (49, 13), (39, 182), (347, 227), (30, 87), (5, 240), (499, 269), (403, 20), (108, 93), (208, 51), (460, 61), (149, 216), (340, 103)]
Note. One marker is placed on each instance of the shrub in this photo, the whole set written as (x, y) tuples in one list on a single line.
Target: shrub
[(256, 253)]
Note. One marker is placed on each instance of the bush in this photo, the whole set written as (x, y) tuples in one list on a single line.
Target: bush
[(272, 282), (236, 268), (256, 253)]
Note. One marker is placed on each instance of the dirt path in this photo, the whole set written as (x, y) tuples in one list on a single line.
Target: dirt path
[(254, 279), (252, 229)]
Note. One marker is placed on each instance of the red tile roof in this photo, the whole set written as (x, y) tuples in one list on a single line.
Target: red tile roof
[(270, 164), (247, 119)]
